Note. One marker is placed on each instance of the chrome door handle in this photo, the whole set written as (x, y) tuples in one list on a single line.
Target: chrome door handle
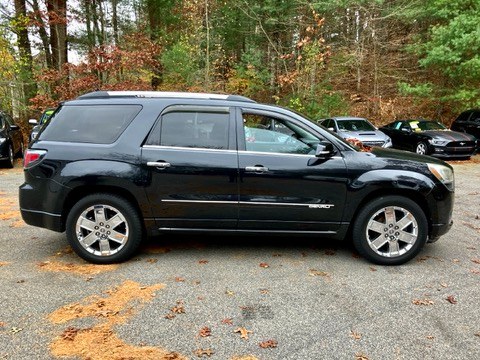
[(256, 169), (159, 165)]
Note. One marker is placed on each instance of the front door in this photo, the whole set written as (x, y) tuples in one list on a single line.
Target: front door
[(192, 165), (283, 186)]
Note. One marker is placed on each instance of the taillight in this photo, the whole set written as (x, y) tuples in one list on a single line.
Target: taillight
[(32, 156)]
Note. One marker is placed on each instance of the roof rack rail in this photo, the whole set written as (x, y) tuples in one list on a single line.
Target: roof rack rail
[(162, 94)]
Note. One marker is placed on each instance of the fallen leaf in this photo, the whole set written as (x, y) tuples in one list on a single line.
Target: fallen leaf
[(229, 292), (330, 252), (20, 281), (243, 332), (360, 356), (277, 255), (430, 337), (204, 352), (15, 330), (444, 285), (2, 324), (355, 335), (205, 331), (451, 299), (264, 291), (264, 265), (179, 279), (455, 260), (373, 268), (268, 344), (314, 272), (227, 321), (356, 255), (477, 334), (178, 309), (471, 248), (203, 261), (475, 271), (70, 333), (476, 261), (152, 261), (170, 316), (422, 302)]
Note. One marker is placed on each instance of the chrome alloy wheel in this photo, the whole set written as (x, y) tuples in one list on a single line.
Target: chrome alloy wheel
[(421, 148), (392, 231), (102, 230)]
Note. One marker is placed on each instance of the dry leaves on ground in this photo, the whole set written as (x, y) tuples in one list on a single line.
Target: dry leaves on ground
[(205, 331), (204, 352), (355, 335), (243, 332), (451, 299), (227, 321), (476, 261), (360, 356), (314, 272), (268, 344), (422, 302), (264, 265)]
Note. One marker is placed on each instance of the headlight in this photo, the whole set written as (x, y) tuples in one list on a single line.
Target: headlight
[(443, 173), (388, 143), (438, 142)]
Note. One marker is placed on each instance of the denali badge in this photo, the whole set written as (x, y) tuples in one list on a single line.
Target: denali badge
[(462, 143), (321, 206)]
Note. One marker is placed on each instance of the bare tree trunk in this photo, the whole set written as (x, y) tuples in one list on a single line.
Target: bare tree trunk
[(43, 34), (115, 21), (207, 62), (29, 87), (57, 10)]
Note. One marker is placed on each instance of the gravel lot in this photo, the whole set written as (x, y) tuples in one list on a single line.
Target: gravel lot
[(288, 298)]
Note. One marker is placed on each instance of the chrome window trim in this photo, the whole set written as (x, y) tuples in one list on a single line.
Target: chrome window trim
[(184, 148)]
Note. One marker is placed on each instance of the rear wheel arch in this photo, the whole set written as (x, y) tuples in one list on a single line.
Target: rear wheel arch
[(82, 191)]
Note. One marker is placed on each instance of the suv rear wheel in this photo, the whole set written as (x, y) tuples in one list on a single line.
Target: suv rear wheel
[(104, 228), (390, 230)]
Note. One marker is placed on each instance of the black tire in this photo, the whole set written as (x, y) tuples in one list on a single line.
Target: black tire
[(21, 151), (421, 148), (110, 224), (10, 162), (390, 230)]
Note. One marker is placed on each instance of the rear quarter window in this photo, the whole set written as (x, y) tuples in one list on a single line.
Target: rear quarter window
[(99, 124)]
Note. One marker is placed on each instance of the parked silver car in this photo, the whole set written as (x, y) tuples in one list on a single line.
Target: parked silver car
[(357, 128)]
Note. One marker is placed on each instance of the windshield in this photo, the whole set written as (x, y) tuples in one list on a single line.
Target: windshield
[(355, 125), (426, 125)]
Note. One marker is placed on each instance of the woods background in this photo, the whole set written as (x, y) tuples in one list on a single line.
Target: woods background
[(373, 58)]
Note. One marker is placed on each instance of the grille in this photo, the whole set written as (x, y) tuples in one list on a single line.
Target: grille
[(373, 143)]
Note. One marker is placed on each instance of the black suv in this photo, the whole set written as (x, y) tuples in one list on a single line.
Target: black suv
[(112, 167), (469, 122)]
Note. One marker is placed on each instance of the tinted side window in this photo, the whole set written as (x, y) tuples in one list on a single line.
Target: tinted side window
[(2, 124), (463, 116), (195, 129), (272, 135), (475, 117), (100, 124)]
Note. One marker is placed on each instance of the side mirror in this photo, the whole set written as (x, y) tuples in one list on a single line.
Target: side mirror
[(331, 129), (324, 150), (33, 122), (14, 127)]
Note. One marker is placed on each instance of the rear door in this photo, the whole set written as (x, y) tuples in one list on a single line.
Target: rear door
[(192, 166)]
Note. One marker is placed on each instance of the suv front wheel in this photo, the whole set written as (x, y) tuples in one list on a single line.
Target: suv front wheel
[(390, 230), (104, 228)]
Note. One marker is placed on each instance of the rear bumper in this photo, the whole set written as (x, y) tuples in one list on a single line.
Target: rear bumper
[(43, 219)]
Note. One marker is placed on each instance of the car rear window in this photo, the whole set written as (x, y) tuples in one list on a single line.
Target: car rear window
[(99, 124)]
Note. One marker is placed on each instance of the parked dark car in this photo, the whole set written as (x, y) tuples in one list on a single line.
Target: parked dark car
[(468, 122), (357, 128), (112, 167), (11, 140), (38, 124), (429, 138)]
